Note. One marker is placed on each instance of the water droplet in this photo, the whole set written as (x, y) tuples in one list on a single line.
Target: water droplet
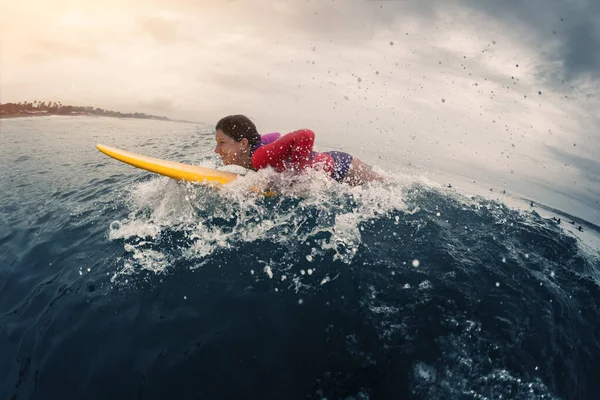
[(115, 225), (268, 271)]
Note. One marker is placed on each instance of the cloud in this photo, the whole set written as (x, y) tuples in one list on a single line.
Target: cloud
[(568, 32), (162, 30), (562, 31), (580, 50), (588, 167), (49, 49), (162, 104)]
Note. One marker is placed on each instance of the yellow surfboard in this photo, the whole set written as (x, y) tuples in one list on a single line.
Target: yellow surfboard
[(177, 170), (171, 169)]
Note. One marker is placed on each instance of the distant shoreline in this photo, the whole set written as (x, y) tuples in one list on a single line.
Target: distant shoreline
[(37, 108), (35, 115), (23, 115)]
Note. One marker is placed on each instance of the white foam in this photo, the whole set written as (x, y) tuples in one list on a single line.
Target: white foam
[(425, 285), (214, 220), (425, 372)]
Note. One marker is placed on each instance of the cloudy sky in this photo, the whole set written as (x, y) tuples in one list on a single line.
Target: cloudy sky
[(510, 87)]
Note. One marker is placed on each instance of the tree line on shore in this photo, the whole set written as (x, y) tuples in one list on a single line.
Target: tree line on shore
[(57, 108)]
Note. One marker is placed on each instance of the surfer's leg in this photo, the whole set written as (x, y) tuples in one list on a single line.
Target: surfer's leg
[(360, 173)]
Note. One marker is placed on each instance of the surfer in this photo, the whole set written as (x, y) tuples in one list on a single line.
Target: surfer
[(238, 143)]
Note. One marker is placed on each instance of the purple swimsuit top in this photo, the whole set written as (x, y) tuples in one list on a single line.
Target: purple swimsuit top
[(266, 139)]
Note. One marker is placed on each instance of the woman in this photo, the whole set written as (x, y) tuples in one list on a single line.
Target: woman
[(239, 143)]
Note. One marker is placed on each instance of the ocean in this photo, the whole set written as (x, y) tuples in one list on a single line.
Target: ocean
[(117, 283)]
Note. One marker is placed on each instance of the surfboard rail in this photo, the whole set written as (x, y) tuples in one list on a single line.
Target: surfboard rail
[(172, 169), (176, 170)]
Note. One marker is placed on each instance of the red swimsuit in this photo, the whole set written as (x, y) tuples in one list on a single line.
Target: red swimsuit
[(293, 151)]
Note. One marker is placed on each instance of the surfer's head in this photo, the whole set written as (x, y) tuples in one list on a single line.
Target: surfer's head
[(235, 136)]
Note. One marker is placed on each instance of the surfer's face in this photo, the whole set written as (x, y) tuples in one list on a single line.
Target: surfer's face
[(230, 150)]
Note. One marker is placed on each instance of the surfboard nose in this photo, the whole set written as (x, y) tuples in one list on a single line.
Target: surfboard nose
[(175, 170)]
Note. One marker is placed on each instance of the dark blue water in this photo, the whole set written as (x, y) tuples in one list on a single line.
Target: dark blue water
[(115, 283)]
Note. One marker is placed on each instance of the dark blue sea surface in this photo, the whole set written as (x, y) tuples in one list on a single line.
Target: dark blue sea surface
[(116, 283)]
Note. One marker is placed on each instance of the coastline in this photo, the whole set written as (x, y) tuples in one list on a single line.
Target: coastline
[(24, 115), (35, 115)]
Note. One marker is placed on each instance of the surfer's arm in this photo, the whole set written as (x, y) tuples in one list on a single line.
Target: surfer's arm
[(295, 146)]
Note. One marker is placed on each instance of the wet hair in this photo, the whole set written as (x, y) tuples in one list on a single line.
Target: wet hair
[(239, 127)]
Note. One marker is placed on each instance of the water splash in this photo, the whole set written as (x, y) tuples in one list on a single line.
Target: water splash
[(312, 217)]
